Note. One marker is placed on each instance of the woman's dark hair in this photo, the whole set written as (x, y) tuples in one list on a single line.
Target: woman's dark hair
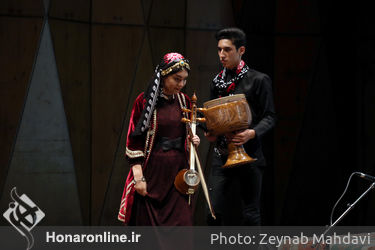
[(236, 35)]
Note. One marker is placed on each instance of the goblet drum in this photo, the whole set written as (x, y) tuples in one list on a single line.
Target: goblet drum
[(225, 115)]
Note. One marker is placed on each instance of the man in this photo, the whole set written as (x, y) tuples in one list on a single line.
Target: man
[(236, 78)]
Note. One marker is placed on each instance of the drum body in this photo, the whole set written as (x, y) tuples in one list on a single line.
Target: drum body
[(227, 114)]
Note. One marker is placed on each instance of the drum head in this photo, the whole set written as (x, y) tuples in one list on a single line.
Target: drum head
[(222, 100)]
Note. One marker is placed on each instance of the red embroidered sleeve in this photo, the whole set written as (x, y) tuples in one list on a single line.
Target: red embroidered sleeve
[(135, 144)]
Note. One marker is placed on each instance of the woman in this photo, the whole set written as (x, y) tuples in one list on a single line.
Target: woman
[(156, 150)]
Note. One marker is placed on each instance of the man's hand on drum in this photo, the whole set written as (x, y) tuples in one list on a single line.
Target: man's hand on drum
[(195, 140), (240, 137)]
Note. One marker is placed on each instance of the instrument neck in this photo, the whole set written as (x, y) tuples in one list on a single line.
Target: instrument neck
[(192, 157)]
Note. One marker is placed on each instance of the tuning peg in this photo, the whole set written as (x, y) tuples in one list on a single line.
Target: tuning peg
[(201, 119), (185, 120), (186, 110), (201, 109)]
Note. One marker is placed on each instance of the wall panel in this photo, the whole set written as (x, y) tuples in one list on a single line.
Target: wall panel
[(22, 8), (204, 63), (117, 12), (42, 163), (143, 72), (19, 43), (77, 10), (72, 53), (164, 40), (113, 66), (168, 13), (209, 14)]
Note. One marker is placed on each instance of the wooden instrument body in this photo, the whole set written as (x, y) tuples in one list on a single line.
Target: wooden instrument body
[(187, 181)]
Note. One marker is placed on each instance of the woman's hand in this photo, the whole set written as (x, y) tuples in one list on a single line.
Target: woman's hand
[(140, 185), (195, 140)]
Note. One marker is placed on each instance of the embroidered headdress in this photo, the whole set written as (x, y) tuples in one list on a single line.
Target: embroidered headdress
[(170, 64)]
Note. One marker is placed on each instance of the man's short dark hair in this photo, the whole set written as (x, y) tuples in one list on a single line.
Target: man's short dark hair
[(236, 35)]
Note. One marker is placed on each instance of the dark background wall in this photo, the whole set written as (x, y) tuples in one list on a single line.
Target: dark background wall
[(70, 70)]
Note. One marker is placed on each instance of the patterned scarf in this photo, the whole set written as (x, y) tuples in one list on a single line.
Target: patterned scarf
[(170, 64), (224, 88)]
